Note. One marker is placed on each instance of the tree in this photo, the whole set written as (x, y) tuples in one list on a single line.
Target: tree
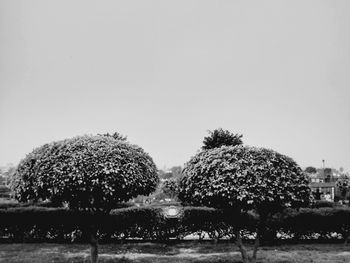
[(6, 173), (170, 188), (241, 179), (88, 173), (310, 170), (164, 174), (327, 173), (220, 137), (117, 136), (176, 172), (172, 173), (343, 184)]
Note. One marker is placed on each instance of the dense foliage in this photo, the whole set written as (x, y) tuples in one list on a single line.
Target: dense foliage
[(5, 191), (241, 179), (343, 185), (245, 178), (148, 223), (220, 137), (170, 188), (311, 170), (117, 136), (86, 173)]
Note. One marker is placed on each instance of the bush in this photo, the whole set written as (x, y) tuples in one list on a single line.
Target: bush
[(136, 222), (309, 223), (48, 224), (198, 220), (215, 222), (36, 223), (322, 203), (15, 204), (5, 191), (60, 224)]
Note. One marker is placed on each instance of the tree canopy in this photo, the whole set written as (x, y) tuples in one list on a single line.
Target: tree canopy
[(87, 172), (220, 137), (343, 183), (243, 177), (311, 170), (170, 188)]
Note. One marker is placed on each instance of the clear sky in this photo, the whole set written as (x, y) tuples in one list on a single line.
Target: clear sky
[(165, 72)]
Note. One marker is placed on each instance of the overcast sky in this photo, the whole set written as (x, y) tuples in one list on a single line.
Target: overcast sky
[(165, 72)]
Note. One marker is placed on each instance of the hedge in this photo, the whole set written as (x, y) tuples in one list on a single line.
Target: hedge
[(322, 223), (15, 204), (45, 224), (5, 191)]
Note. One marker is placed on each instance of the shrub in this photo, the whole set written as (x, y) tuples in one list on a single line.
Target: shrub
[(322, 203), (311, 223), (43, 224), (5, 191), (16, 204), (217, 223)]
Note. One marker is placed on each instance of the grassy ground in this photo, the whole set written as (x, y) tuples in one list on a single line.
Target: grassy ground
[(188, 252)]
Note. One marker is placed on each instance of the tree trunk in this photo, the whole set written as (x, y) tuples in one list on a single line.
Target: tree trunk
[(259, 232), (255, 249), (245, 257), (94, 247), (241, 247)]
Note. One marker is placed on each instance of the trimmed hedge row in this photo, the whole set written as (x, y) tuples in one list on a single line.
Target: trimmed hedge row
[(324, 223), (4, 191), (15, 204), (38, 224)]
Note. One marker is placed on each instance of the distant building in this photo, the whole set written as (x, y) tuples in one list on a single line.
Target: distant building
[(323, 184), (324, 191)]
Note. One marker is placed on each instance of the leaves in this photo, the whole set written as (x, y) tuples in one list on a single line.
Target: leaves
[(86, 172), (220, 137), (245, 177)]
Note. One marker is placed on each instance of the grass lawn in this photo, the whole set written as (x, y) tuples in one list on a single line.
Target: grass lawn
[(187, 252)]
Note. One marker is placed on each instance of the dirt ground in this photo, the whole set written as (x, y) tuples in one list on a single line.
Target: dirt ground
[(187, 252)]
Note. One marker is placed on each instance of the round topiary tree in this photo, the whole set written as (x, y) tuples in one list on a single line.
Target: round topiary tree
[(87, 173), (242, 179)]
